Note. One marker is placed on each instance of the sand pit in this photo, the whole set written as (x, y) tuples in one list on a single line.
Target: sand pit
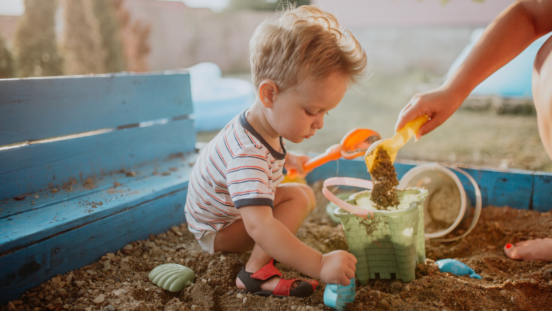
[(119, 281)]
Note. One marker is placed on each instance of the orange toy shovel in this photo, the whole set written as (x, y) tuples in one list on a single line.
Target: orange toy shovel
[(354, 144)]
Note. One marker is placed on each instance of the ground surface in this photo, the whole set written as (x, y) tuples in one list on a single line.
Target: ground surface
[(120, 281), (469, 137)]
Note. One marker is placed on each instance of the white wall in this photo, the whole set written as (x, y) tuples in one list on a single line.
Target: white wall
[(403, 35), (369, 13)]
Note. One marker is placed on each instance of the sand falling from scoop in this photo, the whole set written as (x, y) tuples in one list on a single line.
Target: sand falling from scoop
[(385, 179)]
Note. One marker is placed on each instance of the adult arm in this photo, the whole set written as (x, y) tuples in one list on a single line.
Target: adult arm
[(506, 37)]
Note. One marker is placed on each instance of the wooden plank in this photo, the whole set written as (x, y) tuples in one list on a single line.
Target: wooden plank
[(28, 227), (32, 168), (542, 193), (46, 198), (502, 188), (512, 188), (32, 265), (39, 108)]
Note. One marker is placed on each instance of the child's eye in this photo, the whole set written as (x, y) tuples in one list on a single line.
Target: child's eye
[(310, 113)]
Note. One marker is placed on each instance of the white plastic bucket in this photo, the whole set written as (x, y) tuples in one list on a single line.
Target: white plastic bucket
[(433, 176)]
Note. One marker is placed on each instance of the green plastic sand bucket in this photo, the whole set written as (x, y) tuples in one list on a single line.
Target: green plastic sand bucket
[(330, 207), (386, 244)]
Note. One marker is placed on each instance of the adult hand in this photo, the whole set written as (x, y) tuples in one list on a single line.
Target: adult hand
[(438, 105)]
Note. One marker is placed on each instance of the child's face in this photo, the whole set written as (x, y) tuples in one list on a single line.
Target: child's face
[(299, 112)]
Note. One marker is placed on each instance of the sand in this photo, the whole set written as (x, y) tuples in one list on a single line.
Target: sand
[(443, 207), (385, 179), (119, 281)]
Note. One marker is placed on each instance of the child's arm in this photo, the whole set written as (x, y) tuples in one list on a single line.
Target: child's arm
[(506, 37), (275, 239)]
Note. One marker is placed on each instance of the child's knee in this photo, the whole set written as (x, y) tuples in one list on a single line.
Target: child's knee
[(308, 195), (302, 194), (311, 196)]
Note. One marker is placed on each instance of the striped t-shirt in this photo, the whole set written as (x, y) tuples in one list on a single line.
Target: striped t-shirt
[(237, 168)]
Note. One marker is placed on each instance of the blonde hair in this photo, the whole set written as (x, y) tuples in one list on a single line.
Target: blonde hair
[(301, 43)]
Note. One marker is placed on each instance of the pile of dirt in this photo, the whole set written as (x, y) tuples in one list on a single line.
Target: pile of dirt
[(119, 281), (385, 179)]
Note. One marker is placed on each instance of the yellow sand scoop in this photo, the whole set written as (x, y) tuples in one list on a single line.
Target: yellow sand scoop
[(393, 144)]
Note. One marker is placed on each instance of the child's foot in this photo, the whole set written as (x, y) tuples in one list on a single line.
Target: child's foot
[(269, 285), (266, 281), (540, 249)]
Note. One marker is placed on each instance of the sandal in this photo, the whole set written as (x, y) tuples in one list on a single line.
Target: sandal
[(253, 282)]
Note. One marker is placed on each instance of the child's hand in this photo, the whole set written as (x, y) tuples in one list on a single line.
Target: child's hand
[(438, 105), (338, 267), (295, 162)]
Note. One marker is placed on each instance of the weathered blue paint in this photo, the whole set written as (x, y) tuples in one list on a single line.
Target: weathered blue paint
[(32, 168), (30, 266), (512, 188), (542, 192), (38, 108), (48, 234), (515, 188), (25, 228), (46, 198)]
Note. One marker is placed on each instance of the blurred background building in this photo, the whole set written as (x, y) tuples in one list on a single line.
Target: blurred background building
[(397, 35), (411, 44)]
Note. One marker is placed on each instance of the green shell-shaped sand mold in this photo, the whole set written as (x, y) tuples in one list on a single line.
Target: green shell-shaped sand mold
[(172, 277)]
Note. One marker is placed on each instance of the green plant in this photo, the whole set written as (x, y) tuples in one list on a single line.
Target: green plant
[(35, 40), (82, 43), (7, 65), (109, 29)]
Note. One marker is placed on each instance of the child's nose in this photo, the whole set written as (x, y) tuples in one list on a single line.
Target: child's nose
[(318, 123)]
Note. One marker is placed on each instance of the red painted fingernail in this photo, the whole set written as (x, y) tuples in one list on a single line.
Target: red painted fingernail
[(508, 246)]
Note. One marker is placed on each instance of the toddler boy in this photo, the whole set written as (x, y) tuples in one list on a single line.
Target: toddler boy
[(302, 64)]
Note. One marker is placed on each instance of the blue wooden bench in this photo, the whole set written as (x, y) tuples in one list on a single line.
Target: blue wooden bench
[(88, 164)]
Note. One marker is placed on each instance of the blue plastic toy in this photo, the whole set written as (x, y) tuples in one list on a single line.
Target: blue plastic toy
[(338, 296), (456, 267), (217, 100)]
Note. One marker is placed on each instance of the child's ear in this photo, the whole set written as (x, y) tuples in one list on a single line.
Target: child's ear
[(267, 93)]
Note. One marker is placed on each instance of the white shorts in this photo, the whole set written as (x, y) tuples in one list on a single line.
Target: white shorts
[(207, 241)]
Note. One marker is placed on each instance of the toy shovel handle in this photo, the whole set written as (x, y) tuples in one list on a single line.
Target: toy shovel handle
[(410, 129), (346, 181), (333, 153)]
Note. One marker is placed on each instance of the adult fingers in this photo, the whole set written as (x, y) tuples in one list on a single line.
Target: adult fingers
[(427, 127), (405, 109), (435, 121), (409, 113), (400, 124)]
